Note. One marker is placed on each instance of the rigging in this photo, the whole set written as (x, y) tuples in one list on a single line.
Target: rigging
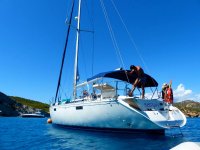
[(64, 51)]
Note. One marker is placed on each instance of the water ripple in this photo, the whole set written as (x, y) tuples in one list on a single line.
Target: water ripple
[(36, 134)]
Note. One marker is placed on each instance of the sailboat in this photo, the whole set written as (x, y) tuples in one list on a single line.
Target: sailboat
[(102, 102)]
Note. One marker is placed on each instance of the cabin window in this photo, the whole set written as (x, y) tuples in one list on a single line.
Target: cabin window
[(79, 107)]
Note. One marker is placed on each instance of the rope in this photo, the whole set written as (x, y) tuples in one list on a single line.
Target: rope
[(113, 37), (114, 41), (92, 23), (93, 39), (131, 38), (68, 11), (64, 51)]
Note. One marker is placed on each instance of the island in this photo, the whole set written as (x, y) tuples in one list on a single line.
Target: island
[(12, 106)]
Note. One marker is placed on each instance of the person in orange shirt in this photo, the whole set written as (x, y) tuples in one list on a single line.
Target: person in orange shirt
[(140, 79)]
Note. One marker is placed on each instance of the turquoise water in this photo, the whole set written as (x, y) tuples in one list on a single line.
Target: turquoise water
[(35, 133)]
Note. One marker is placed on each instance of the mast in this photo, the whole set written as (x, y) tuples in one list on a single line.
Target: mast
[(77, 48)]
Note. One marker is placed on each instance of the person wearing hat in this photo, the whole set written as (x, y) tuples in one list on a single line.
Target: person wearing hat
[(140, 79), (167, 93), (164, 90)]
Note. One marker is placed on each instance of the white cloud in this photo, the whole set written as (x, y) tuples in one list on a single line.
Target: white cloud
[(181, 94)]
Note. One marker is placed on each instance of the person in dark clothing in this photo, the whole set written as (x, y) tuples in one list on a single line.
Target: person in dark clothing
[(140, 79)]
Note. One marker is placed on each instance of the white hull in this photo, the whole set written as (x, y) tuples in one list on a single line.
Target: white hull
[(108, 114)]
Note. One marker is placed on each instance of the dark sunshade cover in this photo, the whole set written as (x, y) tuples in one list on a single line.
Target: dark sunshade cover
[(130, 78)]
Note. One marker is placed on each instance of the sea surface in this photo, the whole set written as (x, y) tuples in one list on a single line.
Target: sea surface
[(35, 134)]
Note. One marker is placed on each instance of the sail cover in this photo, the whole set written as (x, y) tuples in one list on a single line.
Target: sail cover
[(130, 78)]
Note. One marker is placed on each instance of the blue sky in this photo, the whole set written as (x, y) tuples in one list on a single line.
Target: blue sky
[(32, 35)]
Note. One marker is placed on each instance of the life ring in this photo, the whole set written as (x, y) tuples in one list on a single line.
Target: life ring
[(169, 95)]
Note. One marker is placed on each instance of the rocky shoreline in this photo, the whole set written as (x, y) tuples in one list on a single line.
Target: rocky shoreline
[(10, 108), (189, 108)]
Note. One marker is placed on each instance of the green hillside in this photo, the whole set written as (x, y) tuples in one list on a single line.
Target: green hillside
[(189, 108), (31, 103)]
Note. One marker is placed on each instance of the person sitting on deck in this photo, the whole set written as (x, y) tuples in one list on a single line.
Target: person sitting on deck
[(85, 93), (94, 96), (140, 79)]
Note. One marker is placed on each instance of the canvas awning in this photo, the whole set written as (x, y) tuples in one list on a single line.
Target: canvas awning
[(130, 78)]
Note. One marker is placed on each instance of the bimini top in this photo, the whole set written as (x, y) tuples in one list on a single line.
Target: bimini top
[(130, 78)]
